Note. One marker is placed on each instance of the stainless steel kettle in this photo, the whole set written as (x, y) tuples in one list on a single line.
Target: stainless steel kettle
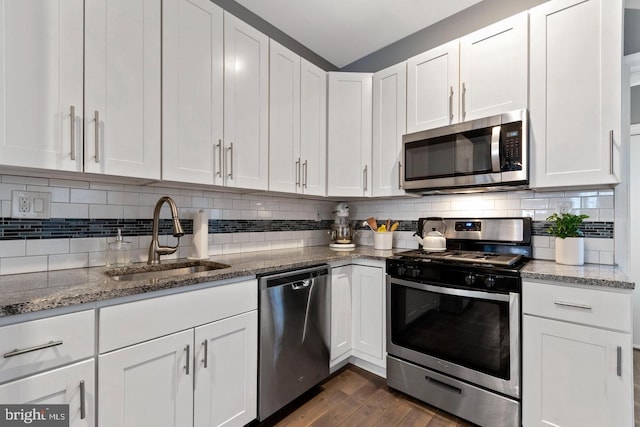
[(433, 240)]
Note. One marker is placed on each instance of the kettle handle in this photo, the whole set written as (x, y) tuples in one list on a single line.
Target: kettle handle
[(435, 218)]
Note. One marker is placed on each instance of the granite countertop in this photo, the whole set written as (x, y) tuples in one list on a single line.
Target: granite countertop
[(32, 292), (589, 274)]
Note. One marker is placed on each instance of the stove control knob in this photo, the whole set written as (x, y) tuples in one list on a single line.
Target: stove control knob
[(490, 282), (470, 279)]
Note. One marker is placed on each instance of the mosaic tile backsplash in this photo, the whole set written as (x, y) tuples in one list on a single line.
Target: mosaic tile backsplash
[(86, 214)]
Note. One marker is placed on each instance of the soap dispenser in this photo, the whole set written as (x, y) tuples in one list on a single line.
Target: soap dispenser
[(119, 252)]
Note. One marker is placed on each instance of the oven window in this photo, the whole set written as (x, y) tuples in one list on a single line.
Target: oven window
[(467, 331)]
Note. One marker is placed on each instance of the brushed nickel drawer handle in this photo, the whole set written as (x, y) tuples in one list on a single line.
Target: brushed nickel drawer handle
[(450, 102), (219, 147), (187, 349), (298, 173), (619, 361), (17, 352), (573, 305), (304, 175), (230, 175), (464, 101)]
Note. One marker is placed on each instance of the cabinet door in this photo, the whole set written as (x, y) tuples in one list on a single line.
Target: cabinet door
[(285, 165), (58, 387), (573, 375), (349, 136), (148, 384), (313, 128), (494, 69), (389, 124), (226, 370), (432, 88), (368, 312), (575, 114), (340, 312), (41, 65), (122, 87), (192, 80), (246, 105)]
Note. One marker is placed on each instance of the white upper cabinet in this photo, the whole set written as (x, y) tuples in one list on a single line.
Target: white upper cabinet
[(389, 124), (246, 105), (122, 87), (479, 75), (297, 118), (349, 135), (575, 113), (41, 60), (284, 119), (494, 69), (313, 128), (192, 91), (432, 88)]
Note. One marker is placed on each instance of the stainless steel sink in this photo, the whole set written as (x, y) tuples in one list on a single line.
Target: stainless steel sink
[(164, 271)]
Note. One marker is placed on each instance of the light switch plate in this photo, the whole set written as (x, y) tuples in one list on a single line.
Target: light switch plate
[(30, 204)]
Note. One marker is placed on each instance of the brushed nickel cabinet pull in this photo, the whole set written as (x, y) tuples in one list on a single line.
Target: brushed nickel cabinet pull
[(96, 116), (298, 172), (17, 352), (304, 179), (619, 361), (230, 175), (83, 406), (450, 102), (573, 305), (72, 112), (399, 175), (219, 147), (464, 96), (186, 366), (611, 152), (365, 176), (205, 343)]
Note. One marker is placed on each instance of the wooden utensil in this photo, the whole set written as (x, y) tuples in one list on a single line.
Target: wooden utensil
[(394, 226), (372, 223)]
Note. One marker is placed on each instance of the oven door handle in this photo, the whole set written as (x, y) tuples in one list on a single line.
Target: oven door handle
[(493, 296), (495, 148)]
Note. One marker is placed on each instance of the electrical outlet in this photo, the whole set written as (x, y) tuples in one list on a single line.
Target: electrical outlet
[(30, 204), (564, 207)]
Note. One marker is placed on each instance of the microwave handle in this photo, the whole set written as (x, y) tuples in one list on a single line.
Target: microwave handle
[(495, 149)]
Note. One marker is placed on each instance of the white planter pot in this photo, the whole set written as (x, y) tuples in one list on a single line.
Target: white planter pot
[(570, 250)]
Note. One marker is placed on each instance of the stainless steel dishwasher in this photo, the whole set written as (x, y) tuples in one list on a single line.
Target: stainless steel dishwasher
[(295, 309)]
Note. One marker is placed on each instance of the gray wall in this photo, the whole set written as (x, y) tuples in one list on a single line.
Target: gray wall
[(477, 16), (263, 26), (631, 31)]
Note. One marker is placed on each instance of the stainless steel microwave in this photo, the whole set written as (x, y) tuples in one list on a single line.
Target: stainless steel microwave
[(485, 154)]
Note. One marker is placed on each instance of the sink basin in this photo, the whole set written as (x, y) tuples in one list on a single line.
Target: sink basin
[(164, 271)]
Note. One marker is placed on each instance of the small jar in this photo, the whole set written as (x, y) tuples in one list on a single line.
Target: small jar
[(119, 252)]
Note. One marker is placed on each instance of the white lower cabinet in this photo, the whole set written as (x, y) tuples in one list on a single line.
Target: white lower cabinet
[(191, 360), (202, 377), (148, 384), (358, 316), (577, 371), (73, 385), (226, 372)]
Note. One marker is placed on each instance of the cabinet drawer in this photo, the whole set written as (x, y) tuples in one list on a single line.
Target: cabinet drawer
[(134, 322), (595, 307), (38, 345)]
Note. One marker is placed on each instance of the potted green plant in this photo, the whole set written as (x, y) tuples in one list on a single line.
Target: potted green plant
[(569, 238)]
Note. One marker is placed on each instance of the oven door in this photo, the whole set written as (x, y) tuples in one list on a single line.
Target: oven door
[(470, 335)]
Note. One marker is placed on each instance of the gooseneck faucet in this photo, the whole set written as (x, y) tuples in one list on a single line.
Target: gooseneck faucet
[(155, 250)]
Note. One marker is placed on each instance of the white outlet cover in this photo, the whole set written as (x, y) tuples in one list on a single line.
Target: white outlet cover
[(39, 203)]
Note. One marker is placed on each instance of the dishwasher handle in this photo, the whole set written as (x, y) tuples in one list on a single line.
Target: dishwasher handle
[(303, 284)]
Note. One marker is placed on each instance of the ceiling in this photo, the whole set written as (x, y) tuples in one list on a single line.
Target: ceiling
[(343, 31)]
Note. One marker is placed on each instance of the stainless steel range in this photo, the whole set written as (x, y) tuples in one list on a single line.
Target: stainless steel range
[(453, 319)]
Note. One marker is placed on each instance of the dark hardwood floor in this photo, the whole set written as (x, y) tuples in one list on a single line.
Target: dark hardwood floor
[(355, 397)]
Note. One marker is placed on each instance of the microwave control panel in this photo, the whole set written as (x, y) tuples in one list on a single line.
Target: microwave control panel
[(511, 147)]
